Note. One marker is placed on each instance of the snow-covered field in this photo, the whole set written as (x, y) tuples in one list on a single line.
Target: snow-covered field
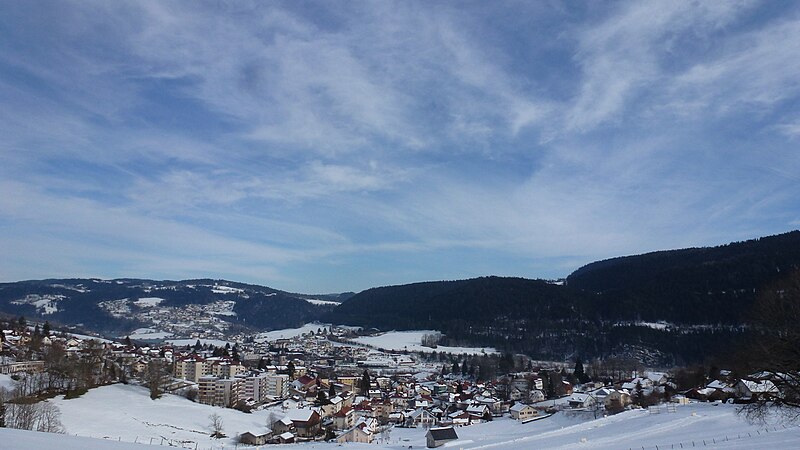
[(148, 302), (185, 342), (149, 333), (412, 341), (289, 332), (315, 301), (126, 413)]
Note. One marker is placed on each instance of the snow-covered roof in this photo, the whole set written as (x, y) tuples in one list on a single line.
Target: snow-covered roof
[(518, 407)]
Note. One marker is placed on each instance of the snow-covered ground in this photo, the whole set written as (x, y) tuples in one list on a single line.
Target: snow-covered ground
[(412, 341), (149, 333), (148, 302), (315, 301), (126, 413), (289, 332), (6, 382), (185, 342)]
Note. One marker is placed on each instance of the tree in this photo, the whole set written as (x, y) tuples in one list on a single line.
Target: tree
[(331, 390), (290, 369), (579, 372), (774, 356), (322, 399), (46, 328), (365, 383), (638, 394), (156, 376), (456, 370), (216, 426), (128, 342)]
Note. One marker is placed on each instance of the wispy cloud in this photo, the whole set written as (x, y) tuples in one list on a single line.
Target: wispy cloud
[(371, 143)]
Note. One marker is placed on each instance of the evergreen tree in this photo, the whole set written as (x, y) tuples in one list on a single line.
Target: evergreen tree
[(128, 342), (331, 390), (456, 370), (290, 369), (579, 372), (365, 382)]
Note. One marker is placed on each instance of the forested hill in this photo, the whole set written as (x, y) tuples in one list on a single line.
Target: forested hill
[(451, 304), (701, 295), (695, 285)]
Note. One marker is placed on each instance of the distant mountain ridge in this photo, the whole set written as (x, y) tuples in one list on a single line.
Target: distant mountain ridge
[(90, 302), (672, 305)]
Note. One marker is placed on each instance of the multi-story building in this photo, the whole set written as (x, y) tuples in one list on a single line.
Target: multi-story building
[(277, 385), (206, 389), (191, 368), (223, 392)]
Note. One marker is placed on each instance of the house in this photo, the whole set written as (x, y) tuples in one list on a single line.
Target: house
[(397, 418), (285, 438), (254, 439), (344, 419), (305, 421), (420, 417), (536, 395), (750, 389), (613, 400), (355, 434), (283, 426), (460, 418), (436, 437), (578, 400), (479, 412), (522, 412)]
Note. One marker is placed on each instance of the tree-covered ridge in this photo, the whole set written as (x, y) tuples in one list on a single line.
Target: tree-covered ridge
[(690, 286), (701, 296)]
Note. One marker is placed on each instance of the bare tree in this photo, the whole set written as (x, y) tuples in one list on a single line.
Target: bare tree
[(216, 426), (48, 418), (271, 419), (774, 356), (156, 377)]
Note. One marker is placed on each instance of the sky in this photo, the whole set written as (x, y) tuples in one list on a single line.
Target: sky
[(336, 146)]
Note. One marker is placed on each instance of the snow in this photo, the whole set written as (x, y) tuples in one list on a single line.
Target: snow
[(412, 341), (289, 332), (45, 304), (149, 333), (21, 439), (86, 337), (126, 412), (148, 302), (222, 289), (315, 301), (185, 342), (6, 382)]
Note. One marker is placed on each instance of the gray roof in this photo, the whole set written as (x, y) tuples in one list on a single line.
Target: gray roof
[(443, 434)]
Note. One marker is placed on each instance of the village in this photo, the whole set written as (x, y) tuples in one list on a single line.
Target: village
[(321, 384)]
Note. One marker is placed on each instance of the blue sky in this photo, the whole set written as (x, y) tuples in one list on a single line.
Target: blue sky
[(332, 146)]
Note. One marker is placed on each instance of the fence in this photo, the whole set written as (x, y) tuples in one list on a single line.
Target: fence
[(713, 441), (176, 443)]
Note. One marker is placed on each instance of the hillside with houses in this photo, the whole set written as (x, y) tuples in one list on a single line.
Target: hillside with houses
[(318, 385)]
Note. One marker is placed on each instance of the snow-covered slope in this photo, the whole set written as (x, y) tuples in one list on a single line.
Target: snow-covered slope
[(126, 412), (412, 341)]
